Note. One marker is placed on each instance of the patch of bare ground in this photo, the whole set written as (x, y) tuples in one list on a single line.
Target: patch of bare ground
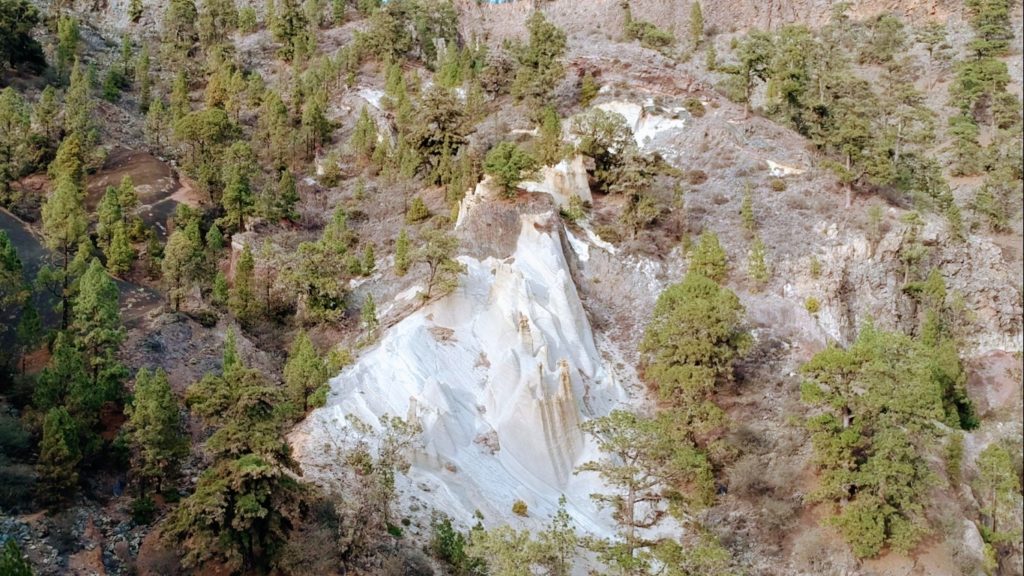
[(156, 558)]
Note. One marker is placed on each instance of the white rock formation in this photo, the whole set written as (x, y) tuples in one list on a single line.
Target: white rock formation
[(646, 126), (499, 373), (562, 181)]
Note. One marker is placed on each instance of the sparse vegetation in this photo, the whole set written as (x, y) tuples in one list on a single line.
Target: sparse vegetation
[(812, 305), (229, 229)]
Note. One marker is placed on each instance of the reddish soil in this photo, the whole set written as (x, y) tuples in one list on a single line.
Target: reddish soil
[(154, 180), (155, 558), (36, 361), (111, 419)]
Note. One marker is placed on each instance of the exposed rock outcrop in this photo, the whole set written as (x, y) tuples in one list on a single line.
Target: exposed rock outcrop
[(500, 396)]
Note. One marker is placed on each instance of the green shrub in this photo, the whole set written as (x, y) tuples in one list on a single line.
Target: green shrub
[(649, 35), (709, 259), (113, 83), (954, 457), (588, 90), (695, 107), (509, 165), (417, 211), (143, 510), (519, 508), (815, 267), (12, 561), (449, 546), (812, 305), (247, 22), (319, 396), (575, 210), (778, 184)]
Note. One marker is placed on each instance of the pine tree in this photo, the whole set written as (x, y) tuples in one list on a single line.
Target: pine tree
[(143, 82), (540, 67), (999, 491), (550, 148), (68, 40), (219, 293), (287, 196), (755, 53), (12, 283), (176, 266), (369, 261), (157, 122), (14, 137), (708, 258), (97, 329), (64, 380), (44, 115), (438, 253), (747, 212), (289, 26), (369, 314), (364, 136), (509, 165), (642, 455), (696, 25), (711, 57), (589, 89), (135, 11), (304, 372), (69, 162), (876, 406), (181, 103), (214, 241), (30, 331), (229, 356), (128, 198), (243, 293), (108, 213), (559, 542), (690, 344), (64, 229), (237, 201), (217, 20), (757, 268), (155, 429), (417, 211), (315, 125), (12, 561), (179, 28), (121, 253), (246, 503), (59, 457), (402, 256), (239, 167), (78, 108)]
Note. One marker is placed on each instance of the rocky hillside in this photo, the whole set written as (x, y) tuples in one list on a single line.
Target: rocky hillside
[(542, 287)]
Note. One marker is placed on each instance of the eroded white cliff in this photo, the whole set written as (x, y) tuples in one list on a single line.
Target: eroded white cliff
[(499, 373)]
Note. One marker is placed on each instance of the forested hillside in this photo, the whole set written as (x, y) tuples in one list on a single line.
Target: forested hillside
[(538, 287)]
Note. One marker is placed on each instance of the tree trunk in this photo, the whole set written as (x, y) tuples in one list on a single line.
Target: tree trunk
[(848, 183), (631, 519), (65, 286), (746, 98)]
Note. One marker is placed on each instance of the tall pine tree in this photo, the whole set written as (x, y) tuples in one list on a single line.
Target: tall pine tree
[(155, 429)]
